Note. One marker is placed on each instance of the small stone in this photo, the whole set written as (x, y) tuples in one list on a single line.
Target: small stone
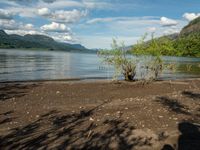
[(126, 108), (57, 92), (37, 116), (160, 116), (27, 112), (119, 112), (91, 119)]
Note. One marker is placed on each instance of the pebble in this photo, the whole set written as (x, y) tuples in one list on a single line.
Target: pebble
[(91, 119), (160, 116), (37, 116), (57, 92)]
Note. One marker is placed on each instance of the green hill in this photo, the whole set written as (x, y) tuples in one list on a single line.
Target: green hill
[(14, 41), (192, 27), (186, 43)]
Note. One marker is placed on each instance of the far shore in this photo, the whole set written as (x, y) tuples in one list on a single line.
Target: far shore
[(100, 114)]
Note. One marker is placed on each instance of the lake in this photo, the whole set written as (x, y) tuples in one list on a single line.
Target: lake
[(22, 65)]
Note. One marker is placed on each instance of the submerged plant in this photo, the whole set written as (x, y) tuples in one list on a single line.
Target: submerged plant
[(145, 57), (119, 58), (151, 56)]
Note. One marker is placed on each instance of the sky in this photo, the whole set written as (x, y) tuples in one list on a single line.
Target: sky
[(94, 23)]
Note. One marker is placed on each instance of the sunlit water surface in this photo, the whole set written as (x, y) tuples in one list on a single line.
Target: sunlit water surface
[(22, 65)]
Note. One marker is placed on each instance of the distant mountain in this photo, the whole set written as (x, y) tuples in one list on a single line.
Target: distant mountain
[(43, 42)]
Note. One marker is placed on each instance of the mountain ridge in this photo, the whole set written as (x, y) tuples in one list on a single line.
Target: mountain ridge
[(37, 41)]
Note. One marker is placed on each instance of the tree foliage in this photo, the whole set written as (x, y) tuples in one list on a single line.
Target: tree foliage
[(119, 58)]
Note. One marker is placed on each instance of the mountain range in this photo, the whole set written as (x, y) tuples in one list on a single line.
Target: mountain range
[(29, 41)]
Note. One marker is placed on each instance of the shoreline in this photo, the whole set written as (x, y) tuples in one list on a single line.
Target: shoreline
[(99, 79), (99, 114)]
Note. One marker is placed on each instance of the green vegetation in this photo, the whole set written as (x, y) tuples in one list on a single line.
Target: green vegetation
[(149, 63), (118, 57), (188, 45), (35, 42)]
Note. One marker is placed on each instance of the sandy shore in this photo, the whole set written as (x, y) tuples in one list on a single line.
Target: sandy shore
[(100, 115)]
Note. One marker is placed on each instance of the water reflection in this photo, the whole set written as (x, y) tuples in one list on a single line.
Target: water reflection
[(18, 65)]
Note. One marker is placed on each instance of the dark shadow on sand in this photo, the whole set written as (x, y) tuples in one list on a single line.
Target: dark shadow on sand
[(55, 130), (189, 138), (191, 95), (173, 105), (13, 90)]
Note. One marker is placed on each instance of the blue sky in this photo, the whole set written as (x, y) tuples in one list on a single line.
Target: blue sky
[(93, 23)]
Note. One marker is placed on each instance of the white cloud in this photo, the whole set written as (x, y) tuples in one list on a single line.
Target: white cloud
[(8, 24), (96, 4), (68, 16), (4, 14), (63, 37), (44, 11), (62, 16), (55, 27), (123, 19), (87, 4), (168, 22), (191, 16), (23, 32), (59, 4), (29, 26), (22, 11), (171, 31)]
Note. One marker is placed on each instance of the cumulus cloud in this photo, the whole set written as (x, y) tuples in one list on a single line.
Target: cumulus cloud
[(191, 16), (44, 11), (55, 27), (63, 37), (29, 26), (68, 16), (4, 14), (8, 24), (62, 16), (24, 32), (168, 22)]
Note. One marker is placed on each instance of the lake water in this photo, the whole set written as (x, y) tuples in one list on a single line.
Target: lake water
[(21, 65)]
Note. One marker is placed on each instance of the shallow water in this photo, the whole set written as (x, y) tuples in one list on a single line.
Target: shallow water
[(21, 65)]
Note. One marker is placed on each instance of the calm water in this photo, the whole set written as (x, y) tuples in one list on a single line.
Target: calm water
[(20, 65)]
